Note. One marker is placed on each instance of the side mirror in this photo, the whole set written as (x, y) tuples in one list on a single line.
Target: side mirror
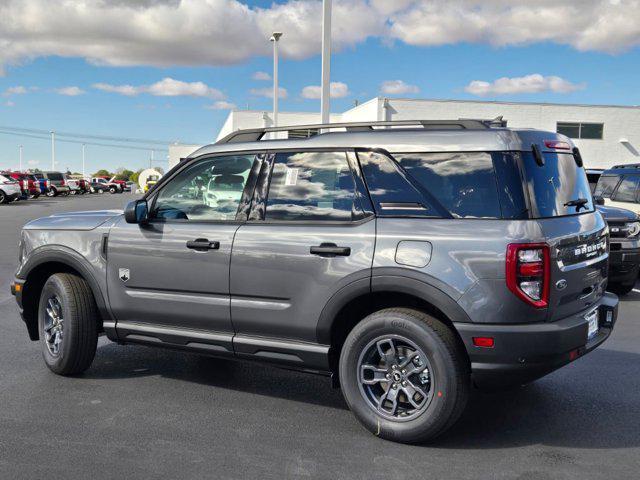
[(598, 200), (137, 212)]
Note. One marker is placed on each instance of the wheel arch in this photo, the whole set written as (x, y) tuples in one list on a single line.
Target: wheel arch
[(39, 267), (361, 298)]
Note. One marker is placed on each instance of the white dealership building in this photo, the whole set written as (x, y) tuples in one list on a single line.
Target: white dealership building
[(606, 134)]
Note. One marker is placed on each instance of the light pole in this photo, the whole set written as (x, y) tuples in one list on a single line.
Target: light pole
[(53, 150), (325, 96), (83, 148), (20, 149), (274, 39)]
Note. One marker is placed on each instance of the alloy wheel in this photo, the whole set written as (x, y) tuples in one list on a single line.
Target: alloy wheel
[(53, 325), (395, 378)]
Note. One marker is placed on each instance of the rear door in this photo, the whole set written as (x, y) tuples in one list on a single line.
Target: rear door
[(170, 279), (308, 236)]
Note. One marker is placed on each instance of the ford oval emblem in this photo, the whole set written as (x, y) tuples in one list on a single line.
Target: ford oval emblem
[(561, 284)]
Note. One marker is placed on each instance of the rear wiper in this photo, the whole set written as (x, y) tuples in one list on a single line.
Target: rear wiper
[(578, 203)]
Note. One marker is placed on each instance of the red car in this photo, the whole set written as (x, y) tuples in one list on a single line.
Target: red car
[(30, 187)]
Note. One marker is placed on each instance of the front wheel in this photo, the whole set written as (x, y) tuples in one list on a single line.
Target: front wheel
[(3, 197), (112, 190), (68, 324), (404, 375)]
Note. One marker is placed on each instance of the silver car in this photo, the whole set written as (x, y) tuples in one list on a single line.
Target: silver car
[(9, 190), (409, 261)]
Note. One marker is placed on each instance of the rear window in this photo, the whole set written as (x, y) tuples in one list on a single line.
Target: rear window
[(557, 188), (54, 176), (606, 185)]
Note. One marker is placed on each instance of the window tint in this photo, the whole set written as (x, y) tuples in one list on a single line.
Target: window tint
[(606, 185), (464, 183), (626, 192), (391, 192), (207, 190), (311, 186), (556, 183), (54, 176)]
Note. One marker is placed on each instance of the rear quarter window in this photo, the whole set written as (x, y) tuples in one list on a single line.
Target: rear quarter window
[(627, 191)]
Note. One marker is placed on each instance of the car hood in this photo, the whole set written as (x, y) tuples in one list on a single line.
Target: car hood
[(617, 214), (73, 220)]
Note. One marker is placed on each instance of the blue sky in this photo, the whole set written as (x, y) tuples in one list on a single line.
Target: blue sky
[(588, 71)]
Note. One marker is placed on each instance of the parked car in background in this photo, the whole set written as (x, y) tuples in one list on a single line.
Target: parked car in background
[(110, 186), (98, 187), (624, 248), (10, 190), (74, 186), (130, 186), (29, 185), (44, 183), (619, 187), (121, 183), (58, 184)]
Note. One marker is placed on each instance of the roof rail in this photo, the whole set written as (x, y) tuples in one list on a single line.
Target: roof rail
[(255, 134), (628, 165)]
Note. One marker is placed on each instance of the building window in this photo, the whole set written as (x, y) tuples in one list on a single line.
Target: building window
[(591, 131)]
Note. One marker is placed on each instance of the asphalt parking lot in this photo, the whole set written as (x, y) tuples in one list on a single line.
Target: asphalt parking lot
[(147, 413)]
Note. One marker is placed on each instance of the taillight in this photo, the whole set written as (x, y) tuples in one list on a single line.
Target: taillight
[(528, 272), (62, 182), (557, 145)]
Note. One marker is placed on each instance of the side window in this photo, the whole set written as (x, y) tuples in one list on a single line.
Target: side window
[(312, 186), (207, 190), (627, 191), (392, 193), (606, 185), (464, 183)]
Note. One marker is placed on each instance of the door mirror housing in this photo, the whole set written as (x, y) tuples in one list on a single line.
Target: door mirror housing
[(137, 212), (598, 200)]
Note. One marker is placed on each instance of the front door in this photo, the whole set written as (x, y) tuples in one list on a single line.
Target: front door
[(313, 239), (168, 280)]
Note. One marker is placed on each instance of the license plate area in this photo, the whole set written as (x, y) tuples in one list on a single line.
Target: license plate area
[(592, 320)]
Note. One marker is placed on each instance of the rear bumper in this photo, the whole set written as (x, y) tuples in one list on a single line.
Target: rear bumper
[(523, 353), (624, 265)]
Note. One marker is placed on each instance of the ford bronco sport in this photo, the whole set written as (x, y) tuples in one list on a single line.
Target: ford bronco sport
[(409, 260)]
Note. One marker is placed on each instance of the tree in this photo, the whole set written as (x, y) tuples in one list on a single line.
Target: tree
[(124, 174), (135, 175), (103, 173)]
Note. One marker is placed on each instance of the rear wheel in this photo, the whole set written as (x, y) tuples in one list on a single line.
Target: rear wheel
[(52, 192), (3, 197), (68, 324), (403, 375), (112, 190)]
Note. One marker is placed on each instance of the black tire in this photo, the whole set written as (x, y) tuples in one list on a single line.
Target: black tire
[(449, 377), (3, 197), (79, 326), (112, 190), (52, 192), (621, 288)]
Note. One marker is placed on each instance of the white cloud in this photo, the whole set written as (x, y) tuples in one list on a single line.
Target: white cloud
[(261, 76), (70, 91), (534, 83), (397, 87), (10, 103), (336, 90), (167, 87), (222, 32), (267, 92), (33, 163), (222, 105), (17, 90)]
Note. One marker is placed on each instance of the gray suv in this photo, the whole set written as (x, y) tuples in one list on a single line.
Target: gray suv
[(408, 260)]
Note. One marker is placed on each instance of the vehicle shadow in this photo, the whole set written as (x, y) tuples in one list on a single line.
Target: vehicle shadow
[(583, 405)]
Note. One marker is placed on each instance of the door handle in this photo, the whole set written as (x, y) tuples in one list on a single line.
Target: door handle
[(202, 244), (330, 250)]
